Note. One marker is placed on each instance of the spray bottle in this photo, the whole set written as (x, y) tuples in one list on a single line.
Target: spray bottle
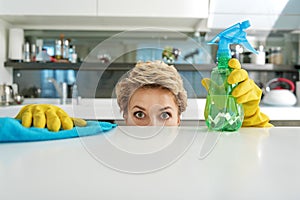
[(222, 112)]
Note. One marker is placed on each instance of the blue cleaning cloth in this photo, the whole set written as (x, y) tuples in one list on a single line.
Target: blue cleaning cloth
[(11, 130)]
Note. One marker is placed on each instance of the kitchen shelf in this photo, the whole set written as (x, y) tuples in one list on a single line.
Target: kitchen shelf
[(95, 66), (128, 66), (67, 66), (39, 66)]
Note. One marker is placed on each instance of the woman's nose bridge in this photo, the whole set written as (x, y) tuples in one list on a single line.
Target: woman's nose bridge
[(153, 120), (154, 113)]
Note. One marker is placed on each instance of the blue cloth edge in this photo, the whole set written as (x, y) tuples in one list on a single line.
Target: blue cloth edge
[(11, 130)]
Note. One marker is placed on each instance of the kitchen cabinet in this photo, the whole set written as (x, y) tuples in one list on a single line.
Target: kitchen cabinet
[(187, 16), (49, 8), (263, 15), (112, 8), (154, 8), (105, 15)]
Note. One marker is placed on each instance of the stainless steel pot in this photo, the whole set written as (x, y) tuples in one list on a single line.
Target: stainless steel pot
[(6, 94)]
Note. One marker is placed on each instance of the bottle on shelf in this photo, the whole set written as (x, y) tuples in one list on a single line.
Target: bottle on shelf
[(61, 45), (62, 49), (26, 52), (33, 53), (58, 54), (260, 58), (66, 49), (72, 54)]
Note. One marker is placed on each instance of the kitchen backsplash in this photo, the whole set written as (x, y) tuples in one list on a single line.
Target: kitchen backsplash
[(130, 48), (33, 83)]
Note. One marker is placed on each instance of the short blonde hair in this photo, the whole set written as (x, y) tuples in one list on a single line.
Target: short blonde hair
[(156, 74)]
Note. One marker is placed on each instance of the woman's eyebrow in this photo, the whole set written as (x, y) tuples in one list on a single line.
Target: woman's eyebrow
[(166, 108), (139, 107)]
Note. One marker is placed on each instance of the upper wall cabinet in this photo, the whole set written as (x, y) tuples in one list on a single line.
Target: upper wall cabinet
[(179, 15), (263, 15), (154, 8), (46, 8)]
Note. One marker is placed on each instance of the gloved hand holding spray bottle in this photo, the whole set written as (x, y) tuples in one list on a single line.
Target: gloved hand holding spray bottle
[(222, 112)]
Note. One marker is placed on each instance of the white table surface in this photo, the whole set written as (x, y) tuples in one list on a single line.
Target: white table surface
[(155, 163), (107, 109)]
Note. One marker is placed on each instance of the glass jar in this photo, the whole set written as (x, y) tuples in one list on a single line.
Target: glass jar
[(275, 56)]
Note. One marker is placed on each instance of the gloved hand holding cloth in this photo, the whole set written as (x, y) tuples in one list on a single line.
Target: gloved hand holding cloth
[(246, 93), (46, 115)]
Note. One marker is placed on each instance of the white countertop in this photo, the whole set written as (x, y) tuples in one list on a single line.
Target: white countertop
[(107, 109), (155, 163)]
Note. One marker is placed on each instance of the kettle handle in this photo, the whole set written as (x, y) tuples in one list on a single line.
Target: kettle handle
[(291, 84)]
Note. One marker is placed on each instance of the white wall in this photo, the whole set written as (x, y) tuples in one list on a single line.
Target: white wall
[(6, 74)]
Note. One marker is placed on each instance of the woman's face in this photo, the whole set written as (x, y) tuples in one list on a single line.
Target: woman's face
[(152, 107)]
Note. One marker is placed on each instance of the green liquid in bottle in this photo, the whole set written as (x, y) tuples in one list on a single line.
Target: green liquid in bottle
[(222, 112)]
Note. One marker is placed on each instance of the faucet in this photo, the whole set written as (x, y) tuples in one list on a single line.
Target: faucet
[(61, 90), (192, 54)]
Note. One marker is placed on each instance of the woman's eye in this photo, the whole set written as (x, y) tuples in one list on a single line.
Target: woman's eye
[(165, 115), (139, 115)]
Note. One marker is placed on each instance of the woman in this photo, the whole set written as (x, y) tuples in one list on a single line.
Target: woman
[(152, 93)]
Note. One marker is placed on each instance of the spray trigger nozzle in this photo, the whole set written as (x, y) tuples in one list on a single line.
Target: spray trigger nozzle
[(233, 35)]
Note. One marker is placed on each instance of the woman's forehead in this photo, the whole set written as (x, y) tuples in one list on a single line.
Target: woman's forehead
[(152, 96)]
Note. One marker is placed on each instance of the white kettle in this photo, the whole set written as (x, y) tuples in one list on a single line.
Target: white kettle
[(279, 96)]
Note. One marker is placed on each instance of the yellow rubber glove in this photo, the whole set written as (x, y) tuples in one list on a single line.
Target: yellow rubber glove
[(246, 93), (46, 115)]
